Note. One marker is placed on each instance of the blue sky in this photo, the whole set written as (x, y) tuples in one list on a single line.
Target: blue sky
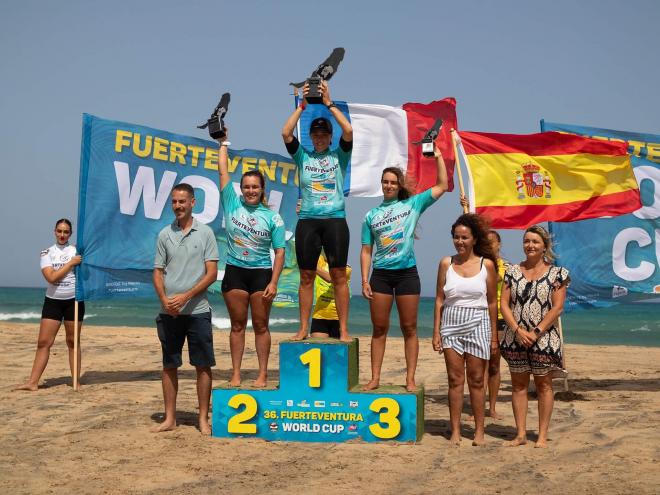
[(164, 63)]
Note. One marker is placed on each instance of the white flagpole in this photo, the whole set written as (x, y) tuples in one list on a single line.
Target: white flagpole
[(457, 161)]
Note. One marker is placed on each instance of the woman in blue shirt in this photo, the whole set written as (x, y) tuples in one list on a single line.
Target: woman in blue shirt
[(322, 219), (251, 228), (391, 227)]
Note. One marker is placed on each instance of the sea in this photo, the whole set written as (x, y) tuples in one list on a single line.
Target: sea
[(633, 324)]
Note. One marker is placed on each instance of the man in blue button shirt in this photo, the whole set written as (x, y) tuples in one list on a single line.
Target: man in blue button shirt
[(186, 264)]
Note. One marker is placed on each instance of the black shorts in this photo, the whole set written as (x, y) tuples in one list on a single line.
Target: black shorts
[(174, 330), (404, 282), (62, 309), (329, 327), (250, 280), (331, 234)]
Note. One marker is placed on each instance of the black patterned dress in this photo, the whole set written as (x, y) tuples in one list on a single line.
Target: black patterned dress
[(530, 301)]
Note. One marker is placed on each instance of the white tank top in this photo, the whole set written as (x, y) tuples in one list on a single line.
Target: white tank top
[(466, 292), (56, 256)]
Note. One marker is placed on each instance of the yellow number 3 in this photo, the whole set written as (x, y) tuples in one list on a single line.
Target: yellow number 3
[(388, 417), (237, 423)]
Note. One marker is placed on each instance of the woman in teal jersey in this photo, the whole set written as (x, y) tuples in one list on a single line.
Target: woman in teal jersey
[(249, 280), (322, 219), (391, 227)]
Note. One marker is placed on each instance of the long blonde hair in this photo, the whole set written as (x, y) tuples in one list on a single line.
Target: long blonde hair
[(549, 254)]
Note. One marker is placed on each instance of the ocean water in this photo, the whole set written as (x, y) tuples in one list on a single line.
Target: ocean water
[(634, 324)]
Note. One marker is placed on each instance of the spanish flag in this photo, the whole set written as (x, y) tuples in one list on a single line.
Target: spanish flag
[(519, 180)]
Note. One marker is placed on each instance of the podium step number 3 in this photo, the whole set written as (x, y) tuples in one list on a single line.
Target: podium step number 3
[(318, 400)]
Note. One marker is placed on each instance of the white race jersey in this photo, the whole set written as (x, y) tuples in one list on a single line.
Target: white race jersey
[(57, 256)]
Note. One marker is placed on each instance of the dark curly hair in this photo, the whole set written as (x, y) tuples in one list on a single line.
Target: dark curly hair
[(479, 227)]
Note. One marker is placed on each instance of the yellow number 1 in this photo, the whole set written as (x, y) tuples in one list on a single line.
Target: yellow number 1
[(388, 416), (313, 359)]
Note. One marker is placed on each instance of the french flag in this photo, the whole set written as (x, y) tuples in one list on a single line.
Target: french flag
[(384, 136)]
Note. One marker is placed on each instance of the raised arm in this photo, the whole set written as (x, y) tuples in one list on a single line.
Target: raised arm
[(346, 127), (223, 162), (442, 182), (292, 121)]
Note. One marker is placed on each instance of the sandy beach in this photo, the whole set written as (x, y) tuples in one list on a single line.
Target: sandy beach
[(604, 436)]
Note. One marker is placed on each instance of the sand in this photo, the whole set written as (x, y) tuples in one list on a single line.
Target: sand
[(604, 439)]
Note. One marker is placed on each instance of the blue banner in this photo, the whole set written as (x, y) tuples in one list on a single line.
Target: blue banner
[(126, 174), (615, 259)]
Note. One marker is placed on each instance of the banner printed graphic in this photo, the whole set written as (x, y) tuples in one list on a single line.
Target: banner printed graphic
[(126, 174), (615, 259)]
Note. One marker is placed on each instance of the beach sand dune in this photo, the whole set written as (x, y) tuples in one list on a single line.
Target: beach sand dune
[(604, 436)]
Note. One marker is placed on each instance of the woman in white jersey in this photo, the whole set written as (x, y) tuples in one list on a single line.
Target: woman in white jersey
[(464, 323), (57, 264)]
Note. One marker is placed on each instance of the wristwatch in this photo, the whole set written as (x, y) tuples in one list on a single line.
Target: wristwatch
[(331, 105), (225, 143), (537, 330)]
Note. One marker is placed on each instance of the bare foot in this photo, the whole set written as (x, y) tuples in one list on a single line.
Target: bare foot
[(260, 382), (345, 338), (411, 387), (235, 380), (455, 440), (372, 385), (541, 444), (516, 442), (164, 426), (301, 335), (479, 440), (494, 415), (204, 427), (27, 386)]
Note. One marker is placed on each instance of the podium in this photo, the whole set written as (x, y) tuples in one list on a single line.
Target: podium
[(318, 400)]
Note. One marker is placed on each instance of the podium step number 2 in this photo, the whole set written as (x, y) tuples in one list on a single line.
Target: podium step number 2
[(318, 400)]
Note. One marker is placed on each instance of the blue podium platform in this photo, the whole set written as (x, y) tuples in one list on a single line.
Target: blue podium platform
[(318, 400)]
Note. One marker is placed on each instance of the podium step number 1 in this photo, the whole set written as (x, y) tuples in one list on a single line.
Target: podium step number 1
[(318, 400)]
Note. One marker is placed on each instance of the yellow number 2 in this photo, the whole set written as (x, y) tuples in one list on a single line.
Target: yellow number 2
[(313, 359), (388, 417), (237, 423)]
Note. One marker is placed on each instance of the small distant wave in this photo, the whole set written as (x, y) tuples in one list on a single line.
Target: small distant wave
[(225, 323), (20, 316), (28, 316), (643, 328)]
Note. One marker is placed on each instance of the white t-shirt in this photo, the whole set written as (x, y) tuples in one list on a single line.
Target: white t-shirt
[(57, 256)]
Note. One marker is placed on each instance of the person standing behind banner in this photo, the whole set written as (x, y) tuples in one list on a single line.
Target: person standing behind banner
[(57, 263), (322, 223), (325, 322), (533, 298), (249, 279), (465, 318), (186, 263), (391, 227)]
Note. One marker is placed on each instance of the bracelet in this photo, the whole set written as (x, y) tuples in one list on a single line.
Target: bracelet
[(365, 282), (225, 143), (302, 106), (332, 105)]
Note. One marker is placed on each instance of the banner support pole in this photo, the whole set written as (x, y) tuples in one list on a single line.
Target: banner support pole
[(563, 353), (76, 335)]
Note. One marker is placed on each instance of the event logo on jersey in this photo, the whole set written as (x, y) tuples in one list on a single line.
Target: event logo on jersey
[(533, 182)]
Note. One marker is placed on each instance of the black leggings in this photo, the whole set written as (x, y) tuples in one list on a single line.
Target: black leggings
[(331, 234)]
